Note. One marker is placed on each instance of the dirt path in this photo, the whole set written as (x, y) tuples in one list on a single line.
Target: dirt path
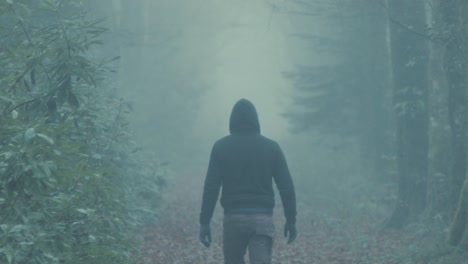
[(174, 239)]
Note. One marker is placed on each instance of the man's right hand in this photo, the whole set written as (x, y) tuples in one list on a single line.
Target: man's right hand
[(290, 228), (205, 235)]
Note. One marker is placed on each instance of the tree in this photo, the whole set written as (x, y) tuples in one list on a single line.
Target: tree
[(348, 95), (410, 66), (73, 188), (155, 74), (455, 33), (455, 67)]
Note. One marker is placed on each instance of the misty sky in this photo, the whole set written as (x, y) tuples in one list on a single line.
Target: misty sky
[(225, 50), (250, 58)]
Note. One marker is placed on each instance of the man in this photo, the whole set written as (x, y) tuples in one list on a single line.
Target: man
[(245, 164)]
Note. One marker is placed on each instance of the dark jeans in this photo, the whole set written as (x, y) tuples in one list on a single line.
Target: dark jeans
[(253, 231)]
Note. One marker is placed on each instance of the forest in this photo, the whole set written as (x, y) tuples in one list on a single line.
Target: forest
[(109, 109)]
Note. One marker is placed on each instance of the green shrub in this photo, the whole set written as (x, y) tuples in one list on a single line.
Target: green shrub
[(73, 186)]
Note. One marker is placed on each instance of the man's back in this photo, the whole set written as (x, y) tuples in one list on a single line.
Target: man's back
[(244, 164), (248, 163)]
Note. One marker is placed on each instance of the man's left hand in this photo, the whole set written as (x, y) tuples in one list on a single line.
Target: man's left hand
[(290, 228), (205, 235)]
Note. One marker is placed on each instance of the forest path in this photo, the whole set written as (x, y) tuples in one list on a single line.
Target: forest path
[(174, 239)]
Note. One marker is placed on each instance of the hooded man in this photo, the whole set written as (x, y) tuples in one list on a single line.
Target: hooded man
[(245, 164)]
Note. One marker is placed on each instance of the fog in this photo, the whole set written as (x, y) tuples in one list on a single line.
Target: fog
[(250, 58), (228, 50), (219, 52), (110, 109)]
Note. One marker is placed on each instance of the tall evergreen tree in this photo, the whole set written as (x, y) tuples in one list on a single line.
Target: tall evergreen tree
[(347, 96)]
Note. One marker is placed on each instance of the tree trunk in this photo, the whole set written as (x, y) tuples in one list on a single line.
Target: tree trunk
[(457, 71), (410, 68), (374, 109), (439, 140), (458, 229), (454, 66)]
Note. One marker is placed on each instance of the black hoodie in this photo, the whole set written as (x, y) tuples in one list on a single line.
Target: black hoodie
[(245, 164)]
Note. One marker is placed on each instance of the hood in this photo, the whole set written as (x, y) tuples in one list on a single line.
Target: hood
[(244, 118)]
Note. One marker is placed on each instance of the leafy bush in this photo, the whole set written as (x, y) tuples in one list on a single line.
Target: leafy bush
[(73, 185)]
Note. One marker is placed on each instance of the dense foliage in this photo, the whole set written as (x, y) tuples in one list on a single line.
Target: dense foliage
[(73, 185), (395, 86)]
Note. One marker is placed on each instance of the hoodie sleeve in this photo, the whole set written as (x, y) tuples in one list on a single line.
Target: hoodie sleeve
[(213, 183), (285, 186)]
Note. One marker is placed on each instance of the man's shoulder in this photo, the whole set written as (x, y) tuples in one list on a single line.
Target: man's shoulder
[(221, 140), (269, 141), (229, 139)]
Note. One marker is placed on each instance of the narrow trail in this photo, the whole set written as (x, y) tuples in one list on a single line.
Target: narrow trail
[(174, 239)]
